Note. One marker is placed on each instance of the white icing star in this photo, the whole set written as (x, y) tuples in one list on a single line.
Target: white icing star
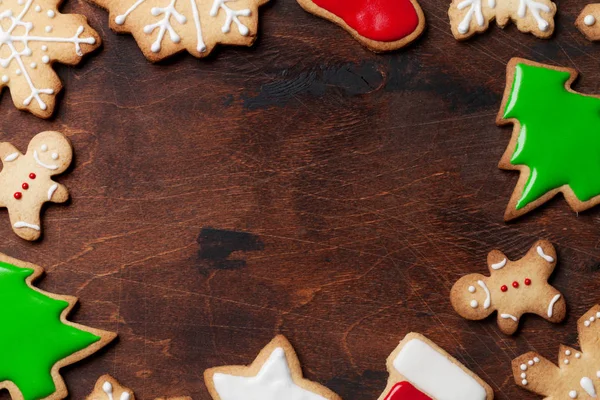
[(273, 382)]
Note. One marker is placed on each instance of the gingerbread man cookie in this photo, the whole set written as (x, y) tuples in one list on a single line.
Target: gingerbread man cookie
[(26, 180), (108, 388), (577, 375), (513, 288)]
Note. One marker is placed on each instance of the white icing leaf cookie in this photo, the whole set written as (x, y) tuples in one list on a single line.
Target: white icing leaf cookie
[(577, 375), (468, 17), (107, 388), (166, 27), (33, 35), (274, 375), (419, 369), (26, 180)]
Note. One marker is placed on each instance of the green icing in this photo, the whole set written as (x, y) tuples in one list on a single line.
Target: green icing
[(32, 337), (560, 134)]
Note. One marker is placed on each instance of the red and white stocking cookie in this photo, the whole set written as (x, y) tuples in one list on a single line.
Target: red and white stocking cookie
[(468, 17), (577, 375), (274, 375), (26, 180), (380, 25), (513, 288), (420, 370)]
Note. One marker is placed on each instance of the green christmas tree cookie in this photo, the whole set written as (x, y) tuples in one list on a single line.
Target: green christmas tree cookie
[(556, 139), (36, 340)]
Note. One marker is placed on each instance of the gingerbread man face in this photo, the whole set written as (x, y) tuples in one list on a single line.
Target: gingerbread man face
[(26, 180), (513, 288)]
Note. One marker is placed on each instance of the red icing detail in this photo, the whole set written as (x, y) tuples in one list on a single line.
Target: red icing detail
[(504, 288), (25, 186), (515, 284), (32, 176), (406, 391), (18, 195), (380, 20), (527, 281)]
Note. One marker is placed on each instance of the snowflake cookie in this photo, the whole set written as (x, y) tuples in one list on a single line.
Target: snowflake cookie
[(468, 17), (107, 388), (420, 370), (36, 339), (382, 25), (274, 375), (34, 35), (587, 21), (26, 180), (162, 28), (555, 142), (577, 375), (513, 288)]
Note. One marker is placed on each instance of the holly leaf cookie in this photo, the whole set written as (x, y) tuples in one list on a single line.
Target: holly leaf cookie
[(379, 25), (274, 375), (33, 36), (468, 17), (420, 370), (26, 180), (556, 138), (162, 28), (108, 388), (577, 375), (36, 339), (513, 288)]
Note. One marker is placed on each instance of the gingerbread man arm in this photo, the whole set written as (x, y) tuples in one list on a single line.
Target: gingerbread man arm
[(496, 260), (535, 373), (544, 252), (57, 193), (8, 152)]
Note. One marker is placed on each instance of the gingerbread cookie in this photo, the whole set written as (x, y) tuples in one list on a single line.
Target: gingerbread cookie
[(468, 17), (577, 375), (33, 36), (274, 375), (587, 21), (382, 25), (555, 144), (37, 339), (420, 370), (26, 180), (162, 28), (513, 288), (107, 388)]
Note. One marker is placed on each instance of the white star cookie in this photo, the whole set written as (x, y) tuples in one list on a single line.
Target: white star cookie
[(274, 375), (34, 35)]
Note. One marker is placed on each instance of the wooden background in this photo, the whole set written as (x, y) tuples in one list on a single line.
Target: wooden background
[(304, 186)]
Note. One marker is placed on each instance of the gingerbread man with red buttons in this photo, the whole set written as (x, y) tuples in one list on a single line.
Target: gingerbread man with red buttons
[(513, 288), (26, 180)]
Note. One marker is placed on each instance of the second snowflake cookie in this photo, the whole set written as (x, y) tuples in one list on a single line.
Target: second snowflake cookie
[(165, 27), (468, 17)]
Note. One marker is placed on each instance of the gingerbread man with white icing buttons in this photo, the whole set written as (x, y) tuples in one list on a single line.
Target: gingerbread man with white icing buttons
[(513, 288), (26, 180)]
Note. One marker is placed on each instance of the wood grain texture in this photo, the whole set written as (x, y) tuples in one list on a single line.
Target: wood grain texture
[(304, 186)]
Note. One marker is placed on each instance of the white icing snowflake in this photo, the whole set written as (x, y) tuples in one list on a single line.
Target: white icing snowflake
[(194, 25), (32, 36), (471, 16)]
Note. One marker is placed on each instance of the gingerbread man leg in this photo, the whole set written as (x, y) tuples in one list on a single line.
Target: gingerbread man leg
[(25, 223)]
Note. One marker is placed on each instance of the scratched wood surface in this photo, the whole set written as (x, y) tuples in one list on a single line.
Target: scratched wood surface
[(304, 186)]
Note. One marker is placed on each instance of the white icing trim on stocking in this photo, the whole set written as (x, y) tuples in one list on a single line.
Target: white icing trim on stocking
[(535, 7), (41, 164), (23, 224), (551, 305), (52, 190), (499, 265), (12, 157), (435, 374), (508, 316), (488, 299), (545, 256)]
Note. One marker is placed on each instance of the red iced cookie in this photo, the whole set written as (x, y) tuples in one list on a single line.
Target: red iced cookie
[(406, 391)]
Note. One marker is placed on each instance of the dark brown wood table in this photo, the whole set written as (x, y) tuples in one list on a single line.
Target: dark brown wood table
[(304, 186)]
